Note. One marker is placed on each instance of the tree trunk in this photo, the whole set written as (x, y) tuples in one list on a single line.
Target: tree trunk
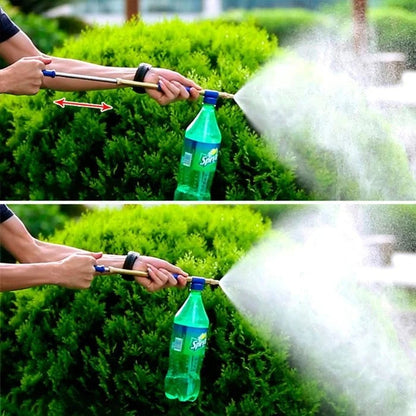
[(132, 8), (360, 26)]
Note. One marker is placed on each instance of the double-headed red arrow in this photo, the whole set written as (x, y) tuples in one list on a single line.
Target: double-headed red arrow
[(103, 106)]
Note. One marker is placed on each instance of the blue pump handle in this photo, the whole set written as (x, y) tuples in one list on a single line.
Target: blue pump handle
[(49, 73)]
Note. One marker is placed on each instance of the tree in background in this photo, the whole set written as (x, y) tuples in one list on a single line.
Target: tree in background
[(38, 6)]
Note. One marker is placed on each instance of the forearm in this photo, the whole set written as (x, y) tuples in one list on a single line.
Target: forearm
[(55, 252), (84, 68), (42, 252), (21, 276)]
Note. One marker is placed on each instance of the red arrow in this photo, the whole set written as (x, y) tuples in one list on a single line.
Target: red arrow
[(103, 106)]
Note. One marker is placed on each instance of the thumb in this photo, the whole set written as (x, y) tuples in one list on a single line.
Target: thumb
[(46, 61)]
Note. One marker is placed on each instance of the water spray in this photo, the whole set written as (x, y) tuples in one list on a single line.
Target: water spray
[(140, 273), (121, 81)]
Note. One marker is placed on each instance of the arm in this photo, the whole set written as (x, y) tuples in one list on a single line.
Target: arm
[(20, 47), (43, 263), (48, 263)]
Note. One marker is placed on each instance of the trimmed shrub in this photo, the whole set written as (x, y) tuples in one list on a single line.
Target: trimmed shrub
[(395, 31), (133, 151), (104, 351)]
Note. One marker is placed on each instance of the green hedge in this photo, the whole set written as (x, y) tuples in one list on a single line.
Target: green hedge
[(104, 351), (133, 151), (395, 31)]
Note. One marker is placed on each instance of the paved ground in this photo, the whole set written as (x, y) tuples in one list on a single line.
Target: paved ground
[(401, 273), (401, 94)]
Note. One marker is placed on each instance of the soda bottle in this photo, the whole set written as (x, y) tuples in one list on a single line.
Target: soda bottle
[(187, 347), (199, 153)]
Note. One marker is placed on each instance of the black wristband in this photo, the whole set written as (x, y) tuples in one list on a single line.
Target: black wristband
[(141, 72), (129, 261)]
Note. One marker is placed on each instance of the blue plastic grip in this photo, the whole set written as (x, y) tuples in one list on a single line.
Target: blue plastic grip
[(100, 269), (48, 73)]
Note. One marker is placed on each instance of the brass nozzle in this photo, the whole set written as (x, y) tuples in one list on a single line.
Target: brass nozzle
[(226, 95), (211, 282)]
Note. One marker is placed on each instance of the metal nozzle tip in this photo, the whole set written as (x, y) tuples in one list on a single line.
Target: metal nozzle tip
[(226, 95), (212, 282)]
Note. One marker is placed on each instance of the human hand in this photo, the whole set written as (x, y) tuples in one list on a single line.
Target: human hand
[(23, 77), (77, 270), (160, 274), (172, 85)]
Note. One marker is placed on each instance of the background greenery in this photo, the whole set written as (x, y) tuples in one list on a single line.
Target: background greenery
[(393, 26)]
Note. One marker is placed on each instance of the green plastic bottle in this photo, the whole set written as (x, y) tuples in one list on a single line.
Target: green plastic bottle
[(199, 154), (187, 347)]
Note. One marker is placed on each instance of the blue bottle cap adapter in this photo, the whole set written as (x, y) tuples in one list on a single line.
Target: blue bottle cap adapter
[(211, 97), (197, 283)]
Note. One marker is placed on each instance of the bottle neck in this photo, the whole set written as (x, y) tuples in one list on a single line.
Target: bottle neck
[(208, 107)]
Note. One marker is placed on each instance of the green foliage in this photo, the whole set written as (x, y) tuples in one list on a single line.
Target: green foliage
[(37, 6), (41, 220), (44, 32), (409, 5), (104, 351), (395, 31), (287, 24), (133, 151)]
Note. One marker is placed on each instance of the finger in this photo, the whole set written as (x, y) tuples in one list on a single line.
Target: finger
[(169, 88), (162, 275), (172, 281), (185, 81), (157, 279), (181, 281), (194, 94), (175, 270), (41, 59), (183, 93)]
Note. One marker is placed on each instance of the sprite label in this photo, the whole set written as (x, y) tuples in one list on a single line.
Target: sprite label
[(189, 340), (200, 156)]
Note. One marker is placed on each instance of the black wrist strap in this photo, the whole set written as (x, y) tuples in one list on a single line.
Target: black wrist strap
[(141, 72), (129, 261)]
